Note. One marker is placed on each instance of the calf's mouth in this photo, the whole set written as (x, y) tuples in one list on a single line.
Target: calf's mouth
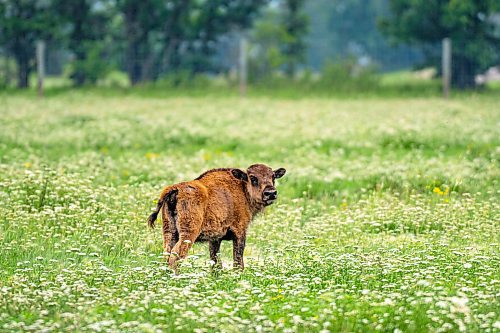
[(269, 200)]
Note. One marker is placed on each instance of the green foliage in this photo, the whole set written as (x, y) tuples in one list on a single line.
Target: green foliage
[(184, 80), (88, 28), (348, 28), (115, 79), (156, 37), (295, 25), (336, 78), (266, 56), (7, 70), (278, 41), (179, 36), (387, 219), (22, 23), (92, 67), (153, 38), (348, 75), (468, 23)]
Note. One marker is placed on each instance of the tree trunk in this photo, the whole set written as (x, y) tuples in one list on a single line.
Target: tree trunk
[(79, 76), (7, 70), (81, 11), (174, 33), (133, 63), (149, 70), (170, 60), (463, 72), (290, 68), (23, 71), (134, 36)]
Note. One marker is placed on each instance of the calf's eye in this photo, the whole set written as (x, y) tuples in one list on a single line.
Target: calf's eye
[(254, 180)]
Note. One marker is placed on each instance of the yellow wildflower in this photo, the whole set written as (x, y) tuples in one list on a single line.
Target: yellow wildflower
[(437, 190), (207, 156), (151, 156)]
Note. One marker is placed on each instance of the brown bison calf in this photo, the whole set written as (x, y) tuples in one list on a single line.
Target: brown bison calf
[(218, 205)]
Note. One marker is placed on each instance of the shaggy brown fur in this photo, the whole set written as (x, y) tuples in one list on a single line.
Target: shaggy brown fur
[(218, 205)]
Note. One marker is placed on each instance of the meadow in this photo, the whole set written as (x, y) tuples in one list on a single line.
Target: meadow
[(388, 218)]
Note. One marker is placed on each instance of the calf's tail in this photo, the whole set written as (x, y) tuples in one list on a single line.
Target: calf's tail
[(168, 196)]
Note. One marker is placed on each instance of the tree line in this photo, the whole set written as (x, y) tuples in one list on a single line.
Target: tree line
[(154, 36), (151, 38)]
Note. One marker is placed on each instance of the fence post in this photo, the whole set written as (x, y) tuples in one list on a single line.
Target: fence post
[(446, 64), (243, 65), (40, 64)]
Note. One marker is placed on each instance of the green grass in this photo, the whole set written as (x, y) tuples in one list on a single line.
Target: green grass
[(388, 217), (337, 84)]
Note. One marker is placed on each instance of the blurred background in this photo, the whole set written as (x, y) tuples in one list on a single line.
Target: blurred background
[(317, 46)]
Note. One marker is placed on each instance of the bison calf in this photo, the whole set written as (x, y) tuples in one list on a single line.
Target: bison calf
[(218, 205)]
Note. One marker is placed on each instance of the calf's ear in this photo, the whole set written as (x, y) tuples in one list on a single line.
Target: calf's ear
[(238, 174), (278, 173)]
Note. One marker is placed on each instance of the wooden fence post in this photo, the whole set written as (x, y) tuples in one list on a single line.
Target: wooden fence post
[(40, 64), (446, 63)]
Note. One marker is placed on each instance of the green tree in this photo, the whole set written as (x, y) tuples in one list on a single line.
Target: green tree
[(467, 22), (295, 23), (267, 39), (175, 31), (211, 19), (141, 19), (180, 34), (22, 23), (87, 22)]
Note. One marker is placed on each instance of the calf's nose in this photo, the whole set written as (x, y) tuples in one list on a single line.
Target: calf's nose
[(270, 193)]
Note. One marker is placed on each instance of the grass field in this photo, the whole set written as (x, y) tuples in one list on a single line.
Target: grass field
[(388, 218)]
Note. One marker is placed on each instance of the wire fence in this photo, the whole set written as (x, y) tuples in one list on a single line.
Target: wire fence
[(225, 61)]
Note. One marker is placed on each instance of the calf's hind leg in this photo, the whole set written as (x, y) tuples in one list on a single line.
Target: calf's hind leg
[(189, 227), (181, 249), (214, 247), (170, 233), (170, 238)]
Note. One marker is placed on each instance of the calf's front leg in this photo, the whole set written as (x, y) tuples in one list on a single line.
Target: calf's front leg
[(238, 249)]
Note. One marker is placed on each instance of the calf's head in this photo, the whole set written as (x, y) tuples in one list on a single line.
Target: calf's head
[(259, 182)]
